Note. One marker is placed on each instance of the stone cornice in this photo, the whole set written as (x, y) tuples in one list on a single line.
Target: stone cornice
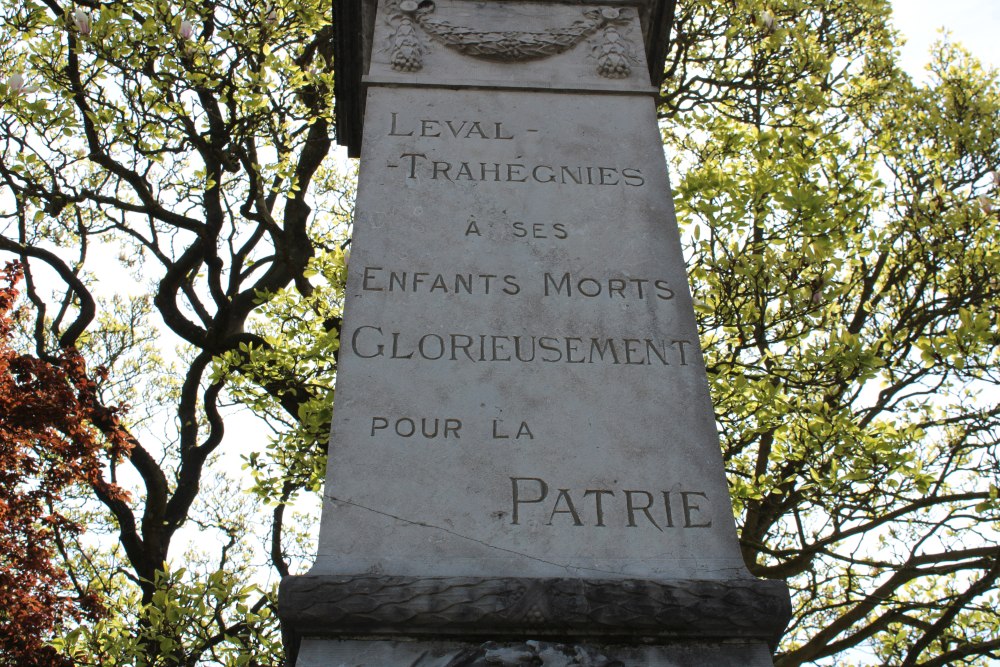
[(355, 22), (560, 609)]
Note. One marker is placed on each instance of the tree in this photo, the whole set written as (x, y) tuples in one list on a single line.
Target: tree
[(180, 146), (843, 252), (54, 432)]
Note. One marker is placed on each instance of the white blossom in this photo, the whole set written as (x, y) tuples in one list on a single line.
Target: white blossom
[(767, 21), (18, 85), (15, 82), (82, 20), (186, 30)]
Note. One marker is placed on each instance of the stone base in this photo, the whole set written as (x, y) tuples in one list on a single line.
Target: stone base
[(359, 653), (379, 621)]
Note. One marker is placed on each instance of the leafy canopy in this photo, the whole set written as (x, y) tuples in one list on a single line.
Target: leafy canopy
[(841, 224), (165, 189), (844, 256)]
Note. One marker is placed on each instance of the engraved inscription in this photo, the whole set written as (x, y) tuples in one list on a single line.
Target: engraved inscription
[(532, 231), (448, 129), (428, 428), (446, 428), (535, 500), (380, 279), (641, 288), (370, 342), (539, 230), (500, 431), (420, 166)]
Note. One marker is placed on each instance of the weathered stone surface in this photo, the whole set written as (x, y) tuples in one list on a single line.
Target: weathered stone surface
[(356, 25), (532, 653), (349, 653), (510, 44), (606, 610), (519, 362)]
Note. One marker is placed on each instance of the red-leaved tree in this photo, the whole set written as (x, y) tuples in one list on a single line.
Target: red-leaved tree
[(54, 434)]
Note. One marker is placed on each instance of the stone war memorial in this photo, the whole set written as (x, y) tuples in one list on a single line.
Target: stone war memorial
[(524, 464)]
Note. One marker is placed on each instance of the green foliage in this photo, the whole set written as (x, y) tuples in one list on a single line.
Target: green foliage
[(177, 148), (842, 226), (844, 259), (300, 342), (212, 617)]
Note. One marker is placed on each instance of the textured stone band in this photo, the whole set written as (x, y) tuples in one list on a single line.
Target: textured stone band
[(469, 608)]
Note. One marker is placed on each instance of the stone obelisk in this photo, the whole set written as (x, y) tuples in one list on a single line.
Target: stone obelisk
[(524, 466)]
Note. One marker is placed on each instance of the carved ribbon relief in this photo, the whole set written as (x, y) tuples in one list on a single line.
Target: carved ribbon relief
[(613, 53)]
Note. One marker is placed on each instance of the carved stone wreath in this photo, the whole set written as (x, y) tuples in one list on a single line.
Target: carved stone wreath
[(613, 54)]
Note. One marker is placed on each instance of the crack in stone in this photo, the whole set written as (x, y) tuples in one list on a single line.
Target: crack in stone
[(424, 524)]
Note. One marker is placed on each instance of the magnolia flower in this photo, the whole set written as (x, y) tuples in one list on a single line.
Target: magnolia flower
[(271, 18), (15, 83), (987, 205), (82, 20), (186, 30), (767, 21), (996, 179)]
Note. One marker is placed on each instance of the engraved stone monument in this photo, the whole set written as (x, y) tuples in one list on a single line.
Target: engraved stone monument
[(524, 467)]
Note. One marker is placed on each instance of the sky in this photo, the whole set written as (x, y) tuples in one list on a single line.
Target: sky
[(973, 23)]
